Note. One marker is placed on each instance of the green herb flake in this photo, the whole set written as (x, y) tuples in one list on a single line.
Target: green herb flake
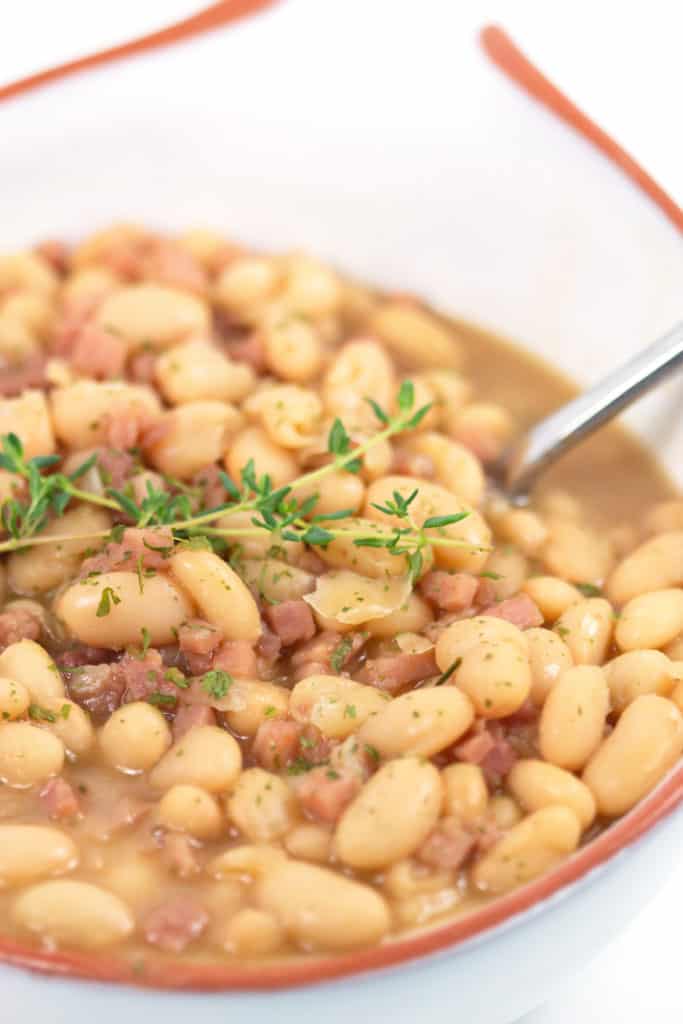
[(108, 598), (216, 683)]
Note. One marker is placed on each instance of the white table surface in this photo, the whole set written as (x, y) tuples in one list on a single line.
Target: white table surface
[(637, 98)]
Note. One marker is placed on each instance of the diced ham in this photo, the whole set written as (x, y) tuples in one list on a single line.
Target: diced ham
[(292, 621), (393, 672), (19, 624), (316, 656), (314, 747), (324, 793), (475, 748), (237, 657), (169, 263), (520, 610), (450, 592), (486, 836), (75, 315), (498, 763), (250, 350), (116, 467), (96, 688), (83, 654), (269, 646), (127, 425), (413, 464), (174, 924), (98, 353), (448, 846), (488, 748), (138, 549), (179, 854), (214, 493), (142, 367), (486, 592), (191, 715), (144, 675), (28, 374), (276, 743), (56, 253), (310, 562), (59, 799)]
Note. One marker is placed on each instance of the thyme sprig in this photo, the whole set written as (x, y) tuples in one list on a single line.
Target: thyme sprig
[(276, 510)]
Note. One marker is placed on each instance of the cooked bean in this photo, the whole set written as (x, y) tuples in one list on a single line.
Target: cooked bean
[(377, 563), (111, 609), (309, 842), (219, 593), (504, 811), (650, 620), (197, 371), (638, 672), (249, 860), (523, 528), (191, 809), (577, 554), (466, 792), (415, 335), (456, 467), (335, 492), (549, 657), (245, 284), (411, 617), (537, 784), (321, 909), (27, 663), (677, 695), (135, 737), (586, 627), (336, 705), (28, 755), (29, 418), (646, 742), (359, 368), (536, 844), (206, 756), (508, 570), (37, 570), (252, 933), (253, 702), (293, 350), (496, 676), (573, 717), (70, 913), (192, 436), (655, 565), (465, 634), (552, 595), (419, 723), (269, 458), (30, 852), (664, 517), (391, 816), (70, 723), (83, 411), (472, 534), (14, 699), (153, 315), (275, 580), (262, 806)]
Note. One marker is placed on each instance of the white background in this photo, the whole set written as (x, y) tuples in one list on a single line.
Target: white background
[(621, 62)]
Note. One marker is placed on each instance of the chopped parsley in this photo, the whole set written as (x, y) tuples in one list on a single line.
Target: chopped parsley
[(175, 676), (341, 653), (39, 714), (162, 699), (108, 598), (216, 683)]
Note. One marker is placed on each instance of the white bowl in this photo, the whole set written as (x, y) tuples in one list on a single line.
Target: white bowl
[(397, 151)]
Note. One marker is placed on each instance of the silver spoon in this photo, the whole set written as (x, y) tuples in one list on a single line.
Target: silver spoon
[(521, 465)]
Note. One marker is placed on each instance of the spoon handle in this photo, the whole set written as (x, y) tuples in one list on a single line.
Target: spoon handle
[(560, 431)]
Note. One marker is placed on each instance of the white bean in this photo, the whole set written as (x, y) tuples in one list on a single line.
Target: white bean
[(30, 852), (221, 596), (70, 913)]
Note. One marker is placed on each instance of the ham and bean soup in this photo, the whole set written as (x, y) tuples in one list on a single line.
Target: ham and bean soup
[(279, 672)]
